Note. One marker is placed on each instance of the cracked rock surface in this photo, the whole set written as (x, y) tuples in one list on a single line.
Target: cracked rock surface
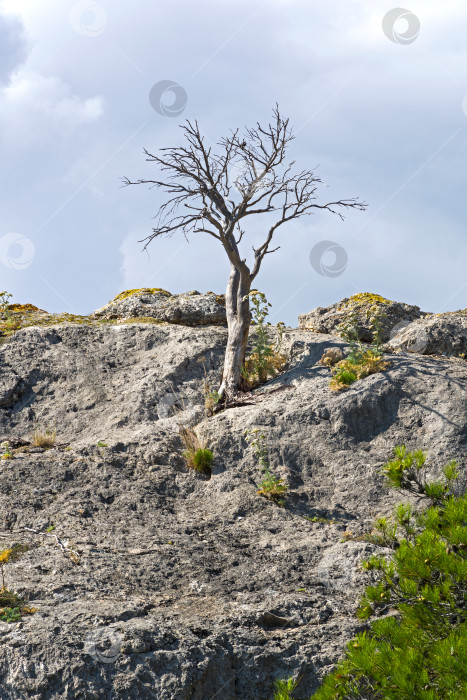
[(435, 334), (190, 309), (172, 584), (394, 315)]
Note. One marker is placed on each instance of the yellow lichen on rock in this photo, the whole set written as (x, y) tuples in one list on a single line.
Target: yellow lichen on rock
[(366, 298), (143, 290), (24, 308)]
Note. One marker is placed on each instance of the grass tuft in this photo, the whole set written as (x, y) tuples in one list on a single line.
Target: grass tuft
[(44, 438)]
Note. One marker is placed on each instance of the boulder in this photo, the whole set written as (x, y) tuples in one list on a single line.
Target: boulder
[(435, 334), (189, 309), (328, 319)]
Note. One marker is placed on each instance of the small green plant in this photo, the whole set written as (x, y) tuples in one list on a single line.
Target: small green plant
[(202, 460), (266, 360), (44, 438), (11, 554), (9, 324), (362, 360), (419, 648), (321, 519), (271, 486), (349, 331), (4, 558), (406, 471), (257, 440), (10, 614), (12, 606), (100, 444), (212, 398), (5, 310), (4, 303), (6, 450), (196, 453)]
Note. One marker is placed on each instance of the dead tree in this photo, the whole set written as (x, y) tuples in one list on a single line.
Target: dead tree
[(248, 176)]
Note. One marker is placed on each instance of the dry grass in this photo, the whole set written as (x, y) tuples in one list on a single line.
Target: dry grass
[(257, 371), (331, 357), (44, 438)]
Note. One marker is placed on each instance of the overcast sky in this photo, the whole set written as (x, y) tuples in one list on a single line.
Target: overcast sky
[(377, 99)]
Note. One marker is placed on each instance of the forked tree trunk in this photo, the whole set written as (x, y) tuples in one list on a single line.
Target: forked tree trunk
[(238, 322)]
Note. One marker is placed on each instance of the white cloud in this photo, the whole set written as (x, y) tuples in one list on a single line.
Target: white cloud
[(13, 45), (45, 103), (373, 114)]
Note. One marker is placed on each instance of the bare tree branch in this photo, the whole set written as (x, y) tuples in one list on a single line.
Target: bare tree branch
[(213, 192)]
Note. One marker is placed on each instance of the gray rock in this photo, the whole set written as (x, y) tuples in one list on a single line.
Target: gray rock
[(10, 386), (435, 334), (192, 587), (190, 309), (328, 319)]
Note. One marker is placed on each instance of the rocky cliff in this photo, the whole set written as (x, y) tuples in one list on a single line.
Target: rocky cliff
[(153, 581)]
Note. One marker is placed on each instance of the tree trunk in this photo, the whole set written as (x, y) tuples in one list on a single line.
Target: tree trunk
[(238, 322)]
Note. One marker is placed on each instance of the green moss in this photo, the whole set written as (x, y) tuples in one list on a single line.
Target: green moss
[(143, 290)]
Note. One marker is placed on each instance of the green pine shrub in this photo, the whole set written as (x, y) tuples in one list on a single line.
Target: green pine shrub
[(283, 688), (418, 646)]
